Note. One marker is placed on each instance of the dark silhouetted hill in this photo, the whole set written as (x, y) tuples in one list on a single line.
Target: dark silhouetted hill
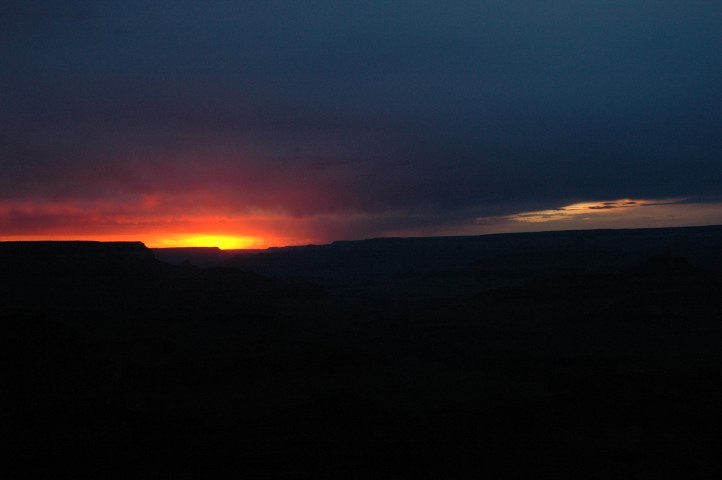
[(581, 354), (53, 257), (199, 256), (491, 260)]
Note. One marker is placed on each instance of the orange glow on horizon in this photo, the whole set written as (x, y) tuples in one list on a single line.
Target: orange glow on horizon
[(224, 242), (170, 225), (157, 226)]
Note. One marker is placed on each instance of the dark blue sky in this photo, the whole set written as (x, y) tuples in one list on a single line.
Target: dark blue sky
[(317, 120)]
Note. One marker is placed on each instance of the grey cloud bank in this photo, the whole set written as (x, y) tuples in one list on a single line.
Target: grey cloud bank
[(443, 111)]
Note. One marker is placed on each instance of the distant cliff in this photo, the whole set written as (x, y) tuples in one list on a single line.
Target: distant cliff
[(493, 259), (61, 256)]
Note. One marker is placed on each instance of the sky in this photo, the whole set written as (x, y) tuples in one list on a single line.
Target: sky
[(260, 123)]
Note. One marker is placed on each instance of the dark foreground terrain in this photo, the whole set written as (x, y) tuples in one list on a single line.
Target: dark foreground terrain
[(591, 354)]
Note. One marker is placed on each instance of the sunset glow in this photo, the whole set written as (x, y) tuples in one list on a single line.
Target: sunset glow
[(235, 124), (224, 242), (154, 240), (210, 222), (216, 223)]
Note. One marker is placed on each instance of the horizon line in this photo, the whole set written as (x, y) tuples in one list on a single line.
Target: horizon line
[(390, 237)]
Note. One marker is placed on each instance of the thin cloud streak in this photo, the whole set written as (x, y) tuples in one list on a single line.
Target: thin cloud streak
[(622, 213), (585, 210)]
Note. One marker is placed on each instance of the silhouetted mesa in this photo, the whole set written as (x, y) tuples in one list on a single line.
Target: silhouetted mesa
[(199, 256), (579, 354), (494, 259), (51, 256)]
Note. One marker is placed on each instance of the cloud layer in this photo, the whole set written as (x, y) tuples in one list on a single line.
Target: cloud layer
[(317, 120)]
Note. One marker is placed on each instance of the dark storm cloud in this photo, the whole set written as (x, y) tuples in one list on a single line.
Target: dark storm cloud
[(440, 111)]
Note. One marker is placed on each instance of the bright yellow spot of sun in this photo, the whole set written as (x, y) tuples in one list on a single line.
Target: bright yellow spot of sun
[(224, 242)]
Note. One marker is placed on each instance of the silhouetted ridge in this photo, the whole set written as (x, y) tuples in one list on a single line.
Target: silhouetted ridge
[(199, 256), (65, 257), (493, 258), (71, 247), (579, 354)]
